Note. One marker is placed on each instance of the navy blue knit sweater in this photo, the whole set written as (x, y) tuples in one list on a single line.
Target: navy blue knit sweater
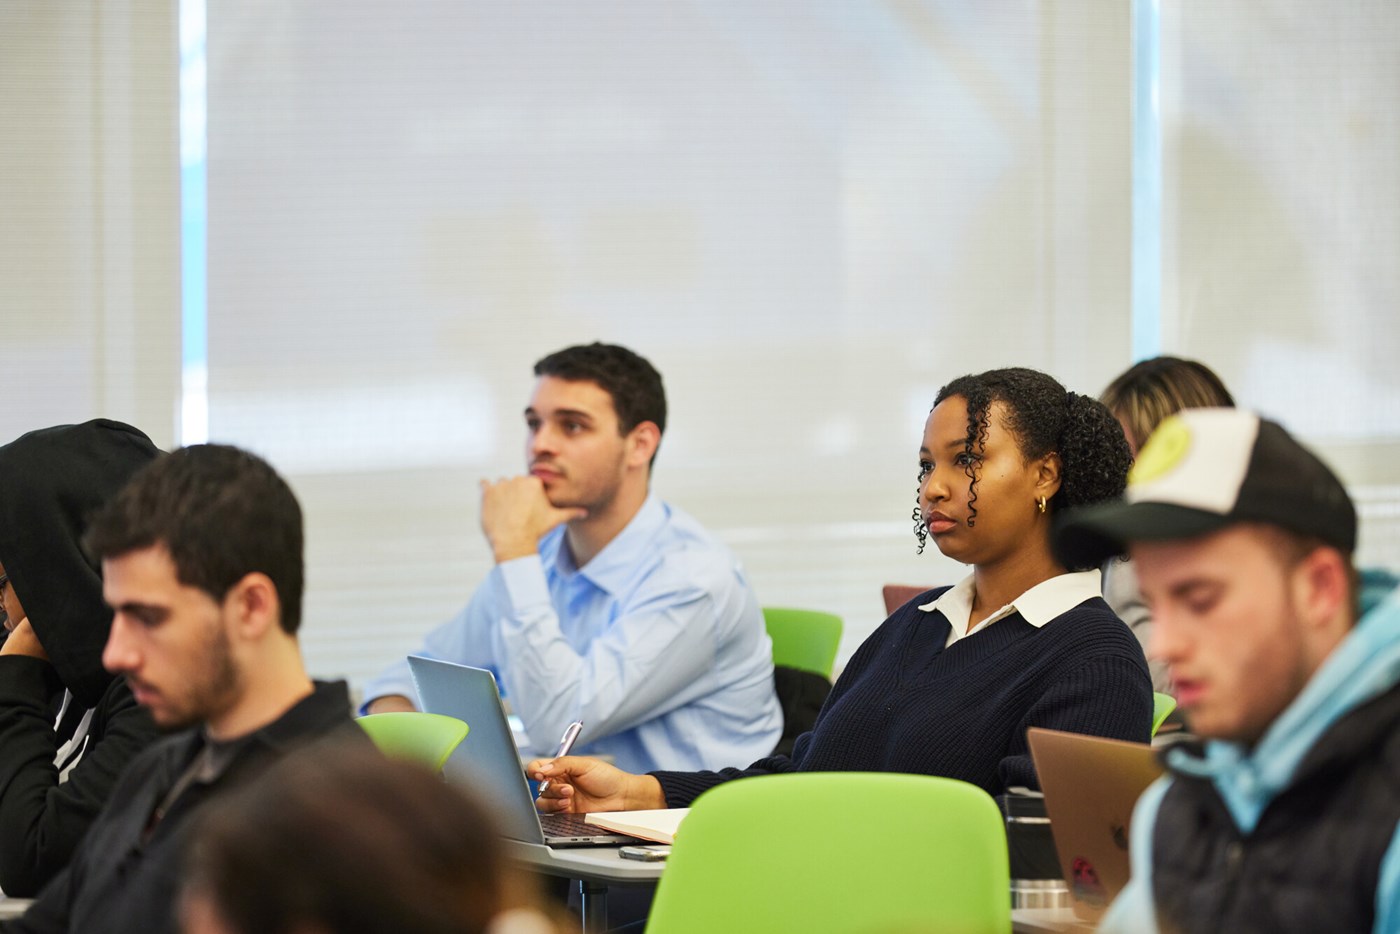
[(907, 704)]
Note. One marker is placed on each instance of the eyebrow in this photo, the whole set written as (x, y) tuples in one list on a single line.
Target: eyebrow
[(956, 445), (132, 606), (563, 413), (1181, 590)]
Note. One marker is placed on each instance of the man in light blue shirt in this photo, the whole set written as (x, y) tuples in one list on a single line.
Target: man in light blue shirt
[(606, 604)]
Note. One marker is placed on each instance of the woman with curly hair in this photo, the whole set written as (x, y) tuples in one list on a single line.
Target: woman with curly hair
[(949, 684)]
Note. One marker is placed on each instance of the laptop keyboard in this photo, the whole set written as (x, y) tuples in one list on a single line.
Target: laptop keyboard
[(570, 825)]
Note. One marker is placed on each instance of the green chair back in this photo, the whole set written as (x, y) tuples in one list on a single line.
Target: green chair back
[(428, 738), (838, 852), (805, 639), (1162, 704)]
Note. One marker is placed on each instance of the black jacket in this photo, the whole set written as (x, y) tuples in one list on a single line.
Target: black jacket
[(1313, 861), (118, 883), (51, 481)]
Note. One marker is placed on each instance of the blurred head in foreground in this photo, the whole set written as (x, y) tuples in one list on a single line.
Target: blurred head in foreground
[(345, 841)]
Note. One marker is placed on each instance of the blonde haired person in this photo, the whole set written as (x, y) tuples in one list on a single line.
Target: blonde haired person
[(1150, 390)]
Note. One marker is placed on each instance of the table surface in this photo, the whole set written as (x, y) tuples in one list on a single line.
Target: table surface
[(591, 863), (1047, 921)]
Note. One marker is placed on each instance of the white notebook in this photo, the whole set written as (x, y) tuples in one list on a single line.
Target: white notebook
[(658, 825)]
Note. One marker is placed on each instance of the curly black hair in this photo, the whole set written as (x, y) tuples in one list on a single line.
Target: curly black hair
[(1044, 417)]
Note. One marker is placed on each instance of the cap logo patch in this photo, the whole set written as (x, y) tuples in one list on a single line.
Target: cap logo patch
[(1167, 447)]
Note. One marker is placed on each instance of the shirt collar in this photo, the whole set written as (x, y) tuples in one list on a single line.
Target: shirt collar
[(1037, 606), (612, 568), (323, 709)]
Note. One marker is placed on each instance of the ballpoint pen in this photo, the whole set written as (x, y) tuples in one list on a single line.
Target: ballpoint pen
[(566, 742)]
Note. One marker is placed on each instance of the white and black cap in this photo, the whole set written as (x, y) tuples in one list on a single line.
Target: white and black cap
[(1203, 470)]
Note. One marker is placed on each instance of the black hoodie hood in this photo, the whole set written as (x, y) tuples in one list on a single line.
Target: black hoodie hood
[(51, 482)]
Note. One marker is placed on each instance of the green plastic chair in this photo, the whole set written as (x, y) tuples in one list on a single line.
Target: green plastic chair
[(805, 639), (1162, 704), (428, 738), (836, 853)]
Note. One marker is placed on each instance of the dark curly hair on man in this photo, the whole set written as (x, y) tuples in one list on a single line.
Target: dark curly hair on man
[(1044, 417)]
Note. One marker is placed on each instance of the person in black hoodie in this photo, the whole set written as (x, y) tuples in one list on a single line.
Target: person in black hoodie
[(67, 726)]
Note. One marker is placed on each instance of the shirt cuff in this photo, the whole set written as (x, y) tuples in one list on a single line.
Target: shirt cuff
[(524, 582)]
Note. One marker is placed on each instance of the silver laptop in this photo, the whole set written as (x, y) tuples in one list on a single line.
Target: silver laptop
[(1091, 786), (488, 761)]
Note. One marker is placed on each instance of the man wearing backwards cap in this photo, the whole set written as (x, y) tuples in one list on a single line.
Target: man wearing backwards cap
[(1285, 819)]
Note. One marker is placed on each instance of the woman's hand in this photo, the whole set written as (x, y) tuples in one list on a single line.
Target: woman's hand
[(581, 784)]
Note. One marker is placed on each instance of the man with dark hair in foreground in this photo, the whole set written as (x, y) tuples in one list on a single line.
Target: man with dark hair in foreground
[(1285, 819), (202, 565)]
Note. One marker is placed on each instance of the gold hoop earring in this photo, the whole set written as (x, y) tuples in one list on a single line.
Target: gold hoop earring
[(1041, 504)]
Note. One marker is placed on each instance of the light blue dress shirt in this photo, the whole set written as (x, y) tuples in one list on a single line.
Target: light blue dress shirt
[(657, 645)]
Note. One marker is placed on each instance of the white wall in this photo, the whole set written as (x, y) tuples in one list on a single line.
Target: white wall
[(89, 215), (810, 215)]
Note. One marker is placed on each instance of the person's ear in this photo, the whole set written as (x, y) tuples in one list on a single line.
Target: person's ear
[(254, 605), (642, 442), (1047, 476), (1322, 587)]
